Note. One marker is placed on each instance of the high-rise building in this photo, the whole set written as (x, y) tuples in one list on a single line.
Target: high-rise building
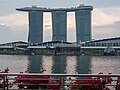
[(83, 25), (59, 25), (35, 27)]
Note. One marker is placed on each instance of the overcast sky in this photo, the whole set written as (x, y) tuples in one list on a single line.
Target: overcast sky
[(14, 24)]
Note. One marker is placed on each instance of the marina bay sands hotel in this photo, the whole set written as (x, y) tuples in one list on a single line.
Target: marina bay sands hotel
[(59, 23)]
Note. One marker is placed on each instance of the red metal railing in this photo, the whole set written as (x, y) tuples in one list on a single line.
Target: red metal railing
[(59, 81)]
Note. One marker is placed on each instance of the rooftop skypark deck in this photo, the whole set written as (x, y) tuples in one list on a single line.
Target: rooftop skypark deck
[(43, 9)]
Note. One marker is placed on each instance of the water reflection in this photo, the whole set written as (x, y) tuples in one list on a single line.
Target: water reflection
[(83, 65), (59, 64), (71, 64), (106, 64), (34, 63), (47, 64)]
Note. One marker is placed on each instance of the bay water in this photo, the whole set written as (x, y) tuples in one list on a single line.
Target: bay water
[(61, 64)]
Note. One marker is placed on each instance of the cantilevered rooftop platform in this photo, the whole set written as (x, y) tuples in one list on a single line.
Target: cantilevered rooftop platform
[(35, 8)]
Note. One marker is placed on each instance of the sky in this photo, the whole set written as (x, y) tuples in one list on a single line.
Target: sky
[(14, 24)]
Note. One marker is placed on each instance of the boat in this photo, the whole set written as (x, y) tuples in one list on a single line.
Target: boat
[(109, 51)]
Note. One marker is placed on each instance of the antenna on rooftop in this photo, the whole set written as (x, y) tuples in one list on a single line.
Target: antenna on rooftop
[(81, 5), (34, 6)]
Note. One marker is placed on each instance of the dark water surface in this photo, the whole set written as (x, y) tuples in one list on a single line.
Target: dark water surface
[(61, 64)]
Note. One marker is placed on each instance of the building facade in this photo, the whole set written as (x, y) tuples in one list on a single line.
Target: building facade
[(59, 26), (35, 27), (83, 25), (59, 23), (109, 42)]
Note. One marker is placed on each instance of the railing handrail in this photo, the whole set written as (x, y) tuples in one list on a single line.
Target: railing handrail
[(41, 74), (61, 81)]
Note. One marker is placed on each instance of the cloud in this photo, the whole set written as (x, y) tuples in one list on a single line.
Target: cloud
[(105, 16), (107, 31), (71, 20), (9, 35), (100, 3), (17, 19), (117, 24), (71, 35), (47, 18), (5, 33), (106, 22), (10, 5), (47, 35)]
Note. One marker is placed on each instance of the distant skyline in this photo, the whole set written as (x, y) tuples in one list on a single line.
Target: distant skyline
[(14, 24)]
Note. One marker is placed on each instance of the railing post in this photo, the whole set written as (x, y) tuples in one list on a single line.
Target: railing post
[(62, 83), (7, 82), (117, 84), (4, 82)]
